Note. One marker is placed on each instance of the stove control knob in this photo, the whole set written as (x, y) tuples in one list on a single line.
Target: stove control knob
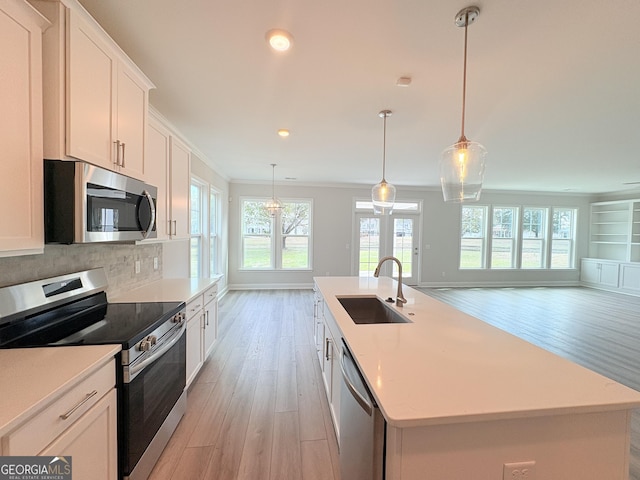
[(178, 318), (146, 344)]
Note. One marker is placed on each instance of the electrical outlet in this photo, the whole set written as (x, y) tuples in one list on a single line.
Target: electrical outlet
[(137, 266), (519, 471), (155, 263)]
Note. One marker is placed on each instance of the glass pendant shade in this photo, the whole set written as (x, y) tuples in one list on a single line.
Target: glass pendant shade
[(383, 197), (462, 171), (274, 206)]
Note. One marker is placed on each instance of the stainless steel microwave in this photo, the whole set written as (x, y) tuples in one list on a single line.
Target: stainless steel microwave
[(84, 204)]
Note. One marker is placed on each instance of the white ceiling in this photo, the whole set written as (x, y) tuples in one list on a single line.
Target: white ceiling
[(553, 87)]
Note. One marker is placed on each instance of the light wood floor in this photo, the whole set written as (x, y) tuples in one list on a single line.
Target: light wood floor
[(257, 410)]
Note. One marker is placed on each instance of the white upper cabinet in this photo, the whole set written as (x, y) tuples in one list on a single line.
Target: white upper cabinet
[(96, 98), (21, 181)]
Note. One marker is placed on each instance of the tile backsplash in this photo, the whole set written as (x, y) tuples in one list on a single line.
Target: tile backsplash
[(118, 260)]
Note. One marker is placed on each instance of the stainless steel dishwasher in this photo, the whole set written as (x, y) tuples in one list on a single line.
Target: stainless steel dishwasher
[(362, 426)]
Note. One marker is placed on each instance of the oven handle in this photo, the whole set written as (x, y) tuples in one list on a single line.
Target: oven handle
[(164, 348)]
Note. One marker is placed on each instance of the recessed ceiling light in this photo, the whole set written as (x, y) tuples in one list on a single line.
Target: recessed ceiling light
[(280, 40), (403, 81), (283, 132)]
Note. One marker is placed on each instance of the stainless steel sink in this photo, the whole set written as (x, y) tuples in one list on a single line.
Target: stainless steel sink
[(370, 310)]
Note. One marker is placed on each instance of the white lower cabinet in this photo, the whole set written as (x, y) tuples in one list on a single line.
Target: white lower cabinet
[(80, 424), (209, 321), (202, 329), (194, 338), (330, 364), (623, 277)]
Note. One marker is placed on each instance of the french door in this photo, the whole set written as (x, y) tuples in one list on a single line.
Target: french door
[(380, 236)]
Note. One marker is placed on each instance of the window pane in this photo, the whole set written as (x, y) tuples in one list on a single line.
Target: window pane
[(369, 246), (503, 245), (295, 234), (256, 235), (196, 214), (195, 255), (403, 244), (256, 251), (472, 241), (562, 242), (213, 229), (533, 237)]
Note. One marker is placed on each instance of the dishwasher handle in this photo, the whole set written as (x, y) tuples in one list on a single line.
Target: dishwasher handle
[(347, 371)]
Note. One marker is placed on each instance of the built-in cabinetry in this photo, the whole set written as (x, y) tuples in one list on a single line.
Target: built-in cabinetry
[(169, 161), (328, 340), (21, 187), (81, 423), (96, 100), (614, 247), (202, 329)]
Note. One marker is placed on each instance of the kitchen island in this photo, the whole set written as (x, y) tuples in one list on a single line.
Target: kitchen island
[(462, 398)]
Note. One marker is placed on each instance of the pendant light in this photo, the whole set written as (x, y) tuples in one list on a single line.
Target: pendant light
[(383, 195), (273, 206), (462, 164)]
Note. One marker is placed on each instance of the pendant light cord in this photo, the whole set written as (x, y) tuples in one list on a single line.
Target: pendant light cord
[(464, 76), (384, 145)]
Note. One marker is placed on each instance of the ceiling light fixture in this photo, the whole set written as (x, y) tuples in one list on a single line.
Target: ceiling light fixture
[(280, 40), (273, 206), (383, 195), (462, 164), (283, 132)]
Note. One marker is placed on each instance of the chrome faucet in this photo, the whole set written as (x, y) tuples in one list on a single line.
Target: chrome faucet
[(400, 300)]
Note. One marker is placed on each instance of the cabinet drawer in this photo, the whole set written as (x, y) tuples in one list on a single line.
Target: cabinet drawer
[(194, 307), (32, 437), (211, 293)]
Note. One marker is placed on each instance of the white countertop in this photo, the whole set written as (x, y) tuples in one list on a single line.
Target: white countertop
[(167, 290), (31, 378), (449, 367)]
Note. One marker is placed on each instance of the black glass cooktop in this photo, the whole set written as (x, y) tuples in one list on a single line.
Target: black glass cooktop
[(90, 321)]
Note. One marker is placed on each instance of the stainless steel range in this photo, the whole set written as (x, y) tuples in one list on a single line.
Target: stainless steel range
[(73, 310)]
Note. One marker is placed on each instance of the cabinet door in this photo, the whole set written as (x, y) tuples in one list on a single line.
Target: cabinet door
[(91, 442), (327, 361), (21, 130), (157, 154), (132, 117), (179, 200), (210, 328), (91, 74), (194, 338), (336, 386), (609, 274), (590, 273)]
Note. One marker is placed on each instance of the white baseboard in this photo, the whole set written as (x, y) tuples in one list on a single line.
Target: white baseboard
[(271, 286), (499, 284)]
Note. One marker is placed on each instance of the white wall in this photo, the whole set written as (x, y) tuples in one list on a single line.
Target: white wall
[(332, 233)]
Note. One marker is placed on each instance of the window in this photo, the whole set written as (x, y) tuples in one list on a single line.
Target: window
[(473, 237), (534, 237), (198, 219), (214, 226), (282, 242), (543, 238), (563, 239), (503, 237)]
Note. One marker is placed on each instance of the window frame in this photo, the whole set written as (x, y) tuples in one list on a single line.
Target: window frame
[(518, 239), (276, 236), (202, 187)]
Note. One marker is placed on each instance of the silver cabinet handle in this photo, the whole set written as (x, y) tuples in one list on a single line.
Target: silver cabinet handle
[(207, 317), (327, 349), (117, 159), (122, 164), (88, 397)]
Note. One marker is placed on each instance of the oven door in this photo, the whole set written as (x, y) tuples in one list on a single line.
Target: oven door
[(148, 398)]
